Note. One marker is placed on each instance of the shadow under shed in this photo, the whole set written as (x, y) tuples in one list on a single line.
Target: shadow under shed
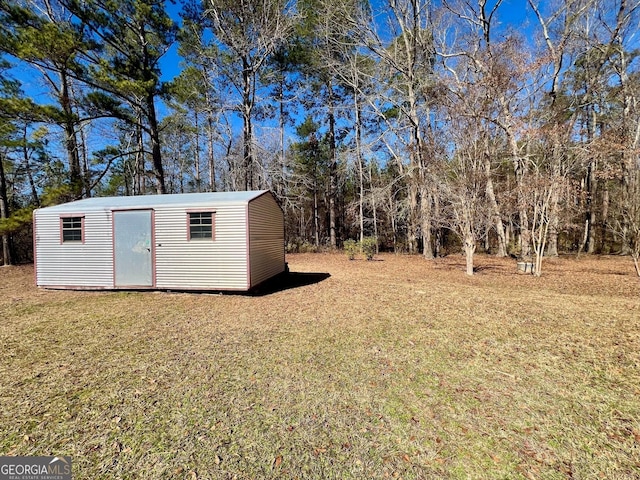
[(287, 281)]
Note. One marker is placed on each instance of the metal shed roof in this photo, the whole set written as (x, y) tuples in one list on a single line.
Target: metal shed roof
[(151, 201)]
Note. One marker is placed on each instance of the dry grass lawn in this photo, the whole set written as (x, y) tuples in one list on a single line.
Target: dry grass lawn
[(395, 368)]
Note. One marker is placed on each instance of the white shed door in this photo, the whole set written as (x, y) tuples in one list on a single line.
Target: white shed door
[(132, 246)]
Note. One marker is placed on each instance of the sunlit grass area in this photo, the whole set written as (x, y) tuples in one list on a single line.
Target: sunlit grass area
[(394, 368)]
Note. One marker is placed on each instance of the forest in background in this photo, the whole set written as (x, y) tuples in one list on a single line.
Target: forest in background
[(431, 126)]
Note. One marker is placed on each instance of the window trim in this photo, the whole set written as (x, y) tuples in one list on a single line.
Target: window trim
[(213, 226), (82, 230)]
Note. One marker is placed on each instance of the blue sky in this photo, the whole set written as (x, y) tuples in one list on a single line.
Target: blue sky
[(513, 13)]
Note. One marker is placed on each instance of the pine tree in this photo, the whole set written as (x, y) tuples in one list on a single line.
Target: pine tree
[(125, 75), (245, 35), (45, 37)]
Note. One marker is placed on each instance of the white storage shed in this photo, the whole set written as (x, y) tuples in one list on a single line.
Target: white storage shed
[(192, 241)]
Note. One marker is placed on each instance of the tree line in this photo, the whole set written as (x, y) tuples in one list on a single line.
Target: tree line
[(432, 126)]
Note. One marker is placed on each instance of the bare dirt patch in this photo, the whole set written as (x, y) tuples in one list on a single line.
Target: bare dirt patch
[(398, 367)]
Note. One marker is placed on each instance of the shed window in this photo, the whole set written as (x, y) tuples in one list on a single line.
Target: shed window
[(201, 225), (72, 229)]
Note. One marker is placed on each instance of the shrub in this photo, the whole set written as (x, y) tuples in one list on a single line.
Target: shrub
[(307, 247), (351, 247), (298, 245), (369, 246)]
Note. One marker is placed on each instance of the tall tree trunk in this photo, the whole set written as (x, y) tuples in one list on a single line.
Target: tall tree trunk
[(27, 168), (412, 227), (247, 153), (247, 126), (82, 149), (86, 171), (280, 188), (554, 223), (437, 244), (590, 184), (590, 214), (374, 208), (416, 179), (469, 250), (426, 201), (210, 154), (493, 204), (333, 166), (196, 160), (416, 219), (156, 154), (4, 213), (557, 158), (523, 218), (316, 216), (140, 166), (605, 217), (70, 139), (360, 161)]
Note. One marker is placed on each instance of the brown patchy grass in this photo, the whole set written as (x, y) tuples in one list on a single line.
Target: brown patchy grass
[(396, 368)]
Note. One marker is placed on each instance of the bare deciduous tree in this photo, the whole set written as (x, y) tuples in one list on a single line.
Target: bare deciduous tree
[(246, 33), (407, 62)]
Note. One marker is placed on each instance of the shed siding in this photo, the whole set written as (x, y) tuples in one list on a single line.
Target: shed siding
[(266, 238), (222, 263), (74, 264), (202, 263)]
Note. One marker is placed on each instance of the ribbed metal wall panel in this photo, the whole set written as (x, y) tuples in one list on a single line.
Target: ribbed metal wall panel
[(201, 264), (74, 264), (179, 263), (266, 238)]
